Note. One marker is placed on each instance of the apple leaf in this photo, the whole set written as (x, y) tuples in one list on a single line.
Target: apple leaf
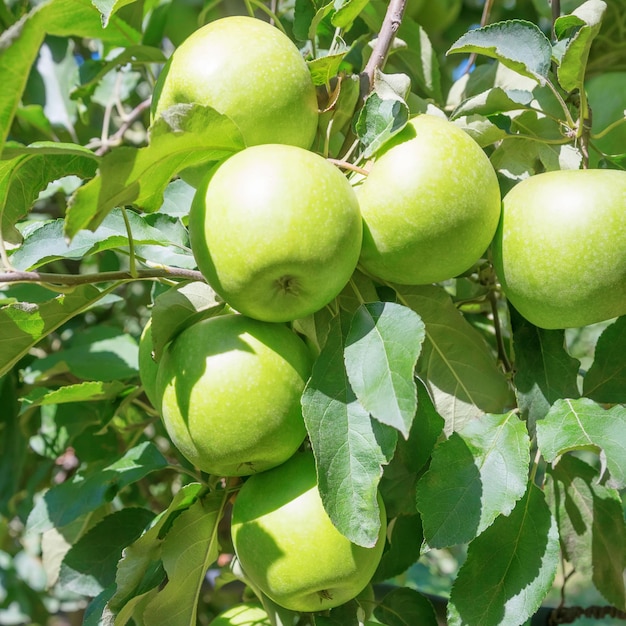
[(13, 445), (406, 607), (350, 447), (189, 548), (544, 371), (26, 170), (90, 391), (582, 424), (605, 380), (517, 44), (140, 568), (591, 525), (24, 324), (324, 68), (493, 101), (47, 242), (477, 474), (404, 538), (382, 348), (456, 364), (346, 12), (89, 566), (577, 32), (178, 308), (379, 120), (185, 135), (66, 502), (509, 568)]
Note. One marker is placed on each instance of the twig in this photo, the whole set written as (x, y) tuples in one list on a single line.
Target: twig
[(484, 19), (348, 166), (116, 138), (388, 30), (102, 277)]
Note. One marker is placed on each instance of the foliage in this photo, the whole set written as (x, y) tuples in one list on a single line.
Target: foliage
[(494, 443)]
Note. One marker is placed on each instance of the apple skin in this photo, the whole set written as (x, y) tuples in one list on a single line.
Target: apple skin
[(230, 390), (430, 204), (244, 614), (249, 70), (276, 230), (560, 249), (289, 548)]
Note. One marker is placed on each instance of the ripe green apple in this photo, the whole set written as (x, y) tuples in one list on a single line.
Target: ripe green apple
[(249, 70), (230, 389), (289, 548), (430, 204), (560, 249), (276, 230), (148, 367), (244, 614)]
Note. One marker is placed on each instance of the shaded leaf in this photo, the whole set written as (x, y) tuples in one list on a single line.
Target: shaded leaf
[(24, 324), (406, 607), (544, 371), (477, 474), (379, 120), (66, 502), (517, 44), (493, 101), (591, 526), (382, 348), (350, 447), (185, 135), (456, 364), (404, 543), (89, 566), (188, 549), (605, 380), (509, 568)]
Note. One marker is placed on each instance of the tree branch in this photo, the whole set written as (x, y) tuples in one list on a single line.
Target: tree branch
[(390, 25), (73, 280)]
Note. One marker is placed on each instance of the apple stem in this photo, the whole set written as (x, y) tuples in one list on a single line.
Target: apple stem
[(390, 25), (348, 166)]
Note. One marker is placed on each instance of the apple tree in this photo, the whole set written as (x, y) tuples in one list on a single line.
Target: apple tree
[(312, 312)]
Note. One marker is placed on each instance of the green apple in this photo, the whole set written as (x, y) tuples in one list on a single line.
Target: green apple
[(276, 230), (607, 98), (560, 249), (230, 390), (430, 204), (244, 614), (289, 548), (249, 70), (148, 367)]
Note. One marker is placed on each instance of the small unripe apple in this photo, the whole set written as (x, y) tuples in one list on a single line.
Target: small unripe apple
[(249, 70), (276, 230), (148, 367), (289, 548), (430, 204), (230, 390), (560, 250)]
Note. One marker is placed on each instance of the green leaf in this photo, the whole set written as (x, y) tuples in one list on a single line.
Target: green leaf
[(68, 501), (382, 348), (579, 31), (605, 380), (25, 171), (140, 568), (47, 242), (544, 371), (89, 566), (583, 424), (456, 364), (493, 101), (347, 12), (185, 135), (379, 120), (517, 44), (591, 526), (509, 568), (24, 324), (188, 550), (477, 474), (324, 68), (180, 307), (404, 538), (92, 391), (108, 7), (350, 447), (406, 607)]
